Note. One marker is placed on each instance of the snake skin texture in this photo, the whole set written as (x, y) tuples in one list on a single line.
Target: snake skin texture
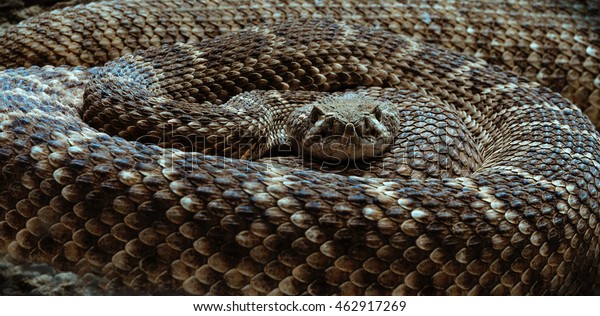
[(521, 217), (553, 42), (13, 11)]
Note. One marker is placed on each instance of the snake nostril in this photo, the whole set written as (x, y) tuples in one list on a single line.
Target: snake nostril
[(368, 127)]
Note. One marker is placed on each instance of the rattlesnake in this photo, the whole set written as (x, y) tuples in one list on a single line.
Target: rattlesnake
[(523, 220)]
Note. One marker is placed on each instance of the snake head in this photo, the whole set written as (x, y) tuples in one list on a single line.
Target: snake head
[(344, 127)]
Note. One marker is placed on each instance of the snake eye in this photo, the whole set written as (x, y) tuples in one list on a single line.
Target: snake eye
[(377, 112), (315, 114), (330, 122)]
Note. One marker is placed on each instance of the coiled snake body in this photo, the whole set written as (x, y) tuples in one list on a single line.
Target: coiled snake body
[(519, 216)]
